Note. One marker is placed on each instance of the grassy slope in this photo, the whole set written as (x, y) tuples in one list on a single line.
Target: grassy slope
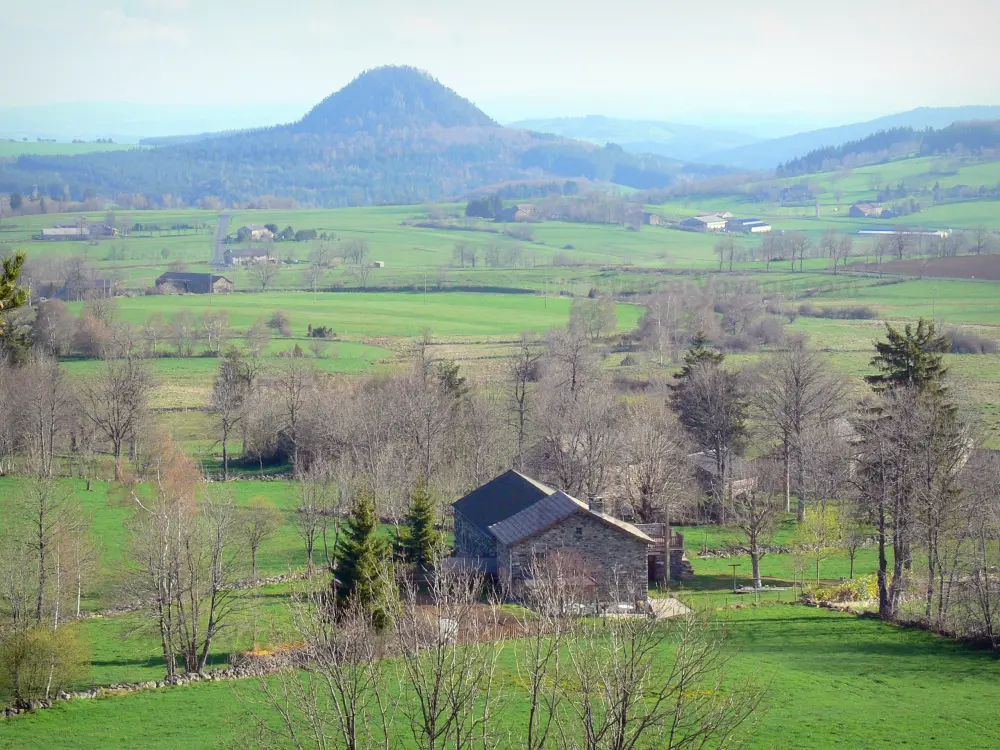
[(834, 681)]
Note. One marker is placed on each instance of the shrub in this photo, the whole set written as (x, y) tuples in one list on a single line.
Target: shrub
[(39, 663), (280, 321), (859, 312), (966, 342), (628, 361), (861, 589)]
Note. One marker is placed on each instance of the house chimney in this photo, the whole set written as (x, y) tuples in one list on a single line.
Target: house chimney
[(596, 503)]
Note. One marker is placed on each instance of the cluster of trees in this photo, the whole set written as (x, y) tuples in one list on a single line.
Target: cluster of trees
[(734, 314)]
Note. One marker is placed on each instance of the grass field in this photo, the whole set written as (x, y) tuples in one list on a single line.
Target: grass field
[(880, 686), (379, 314)]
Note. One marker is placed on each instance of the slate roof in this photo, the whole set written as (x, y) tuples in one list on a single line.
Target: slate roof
[(546, 513), (500, 498), (191, 281)]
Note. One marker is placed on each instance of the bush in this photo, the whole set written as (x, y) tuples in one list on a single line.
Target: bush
[(859, 312), (769, 330), (39, 663), (861, 589), (628, 361), (965, 342), (280, 321)]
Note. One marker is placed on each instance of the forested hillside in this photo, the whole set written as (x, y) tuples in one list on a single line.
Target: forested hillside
[(885, 144), (393, 135)]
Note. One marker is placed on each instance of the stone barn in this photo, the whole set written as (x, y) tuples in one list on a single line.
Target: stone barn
[(513, 520)]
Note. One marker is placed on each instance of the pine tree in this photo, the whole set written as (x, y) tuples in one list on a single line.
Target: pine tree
[(421, 539), (910, 358), (698, 353), (360, 558), (11, 295)]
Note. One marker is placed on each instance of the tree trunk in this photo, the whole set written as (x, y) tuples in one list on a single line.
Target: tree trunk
[(755, 564)]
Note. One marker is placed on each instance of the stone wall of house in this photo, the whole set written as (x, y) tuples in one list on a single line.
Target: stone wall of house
[(618, 558), (471, 542)]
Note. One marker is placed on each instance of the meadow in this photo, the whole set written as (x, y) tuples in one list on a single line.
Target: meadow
[(881, 686)]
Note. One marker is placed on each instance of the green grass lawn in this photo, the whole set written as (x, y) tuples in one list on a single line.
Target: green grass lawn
[(833, 680)]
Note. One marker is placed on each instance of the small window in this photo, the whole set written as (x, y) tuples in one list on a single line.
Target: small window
[(579, 530)]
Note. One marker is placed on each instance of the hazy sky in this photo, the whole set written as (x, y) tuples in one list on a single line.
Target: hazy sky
[(515, 58)]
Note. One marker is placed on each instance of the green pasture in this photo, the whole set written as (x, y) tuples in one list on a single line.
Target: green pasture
[(833, 680), (378, 314)]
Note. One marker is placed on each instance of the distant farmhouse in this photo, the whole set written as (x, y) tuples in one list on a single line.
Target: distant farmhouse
[(653, 220), (753, 226), (256, 232), (85, 230), (870, 211), (194, 283), (706, 223), (513, 521), (244, 257)]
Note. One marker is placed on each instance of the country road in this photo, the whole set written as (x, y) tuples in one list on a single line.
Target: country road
[(220, 239)]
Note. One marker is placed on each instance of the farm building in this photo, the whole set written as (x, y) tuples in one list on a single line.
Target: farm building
[(654, 220), (708, 223), (65, 233), (869, 211), (514, 521), (194, 283), (256, 232), (753, 226), (378, 264), (740, 474), (244, 257)]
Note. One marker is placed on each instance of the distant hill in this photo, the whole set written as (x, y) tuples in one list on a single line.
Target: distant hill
[(677, 141), (393, 135), (769, 154), (980, 136)]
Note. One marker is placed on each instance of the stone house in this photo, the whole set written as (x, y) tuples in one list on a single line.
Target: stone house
[(194, 283), (513, 520)]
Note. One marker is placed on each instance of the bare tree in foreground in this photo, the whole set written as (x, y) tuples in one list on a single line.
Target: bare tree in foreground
[(116, 401), (645, 683)]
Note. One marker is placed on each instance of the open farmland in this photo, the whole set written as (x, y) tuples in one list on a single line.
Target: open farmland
[(882, 686), (380, 314), (984, 267)]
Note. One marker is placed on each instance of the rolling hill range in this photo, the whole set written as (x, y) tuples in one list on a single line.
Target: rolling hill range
[(769, 154), (675, 140), (393, 135)]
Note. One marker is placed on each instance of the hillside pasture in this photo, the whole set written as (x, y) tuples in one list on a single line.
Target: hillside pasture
[(359, 316), (833, 680)]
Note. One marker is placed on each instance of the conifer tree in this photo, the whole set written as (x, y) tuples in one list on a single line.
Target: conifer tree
[(698, 352), (11, 295), (421, 540), (910, 358), (361, 558)]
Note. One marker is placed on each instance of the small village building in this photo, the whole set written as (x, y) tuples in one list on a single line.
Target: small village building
[(378, 264), (869, 211), (753, 226), (244, 257), (194, 283), (513, 521), (653, 220), (258, 233), (65, 233), (707, 223)]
